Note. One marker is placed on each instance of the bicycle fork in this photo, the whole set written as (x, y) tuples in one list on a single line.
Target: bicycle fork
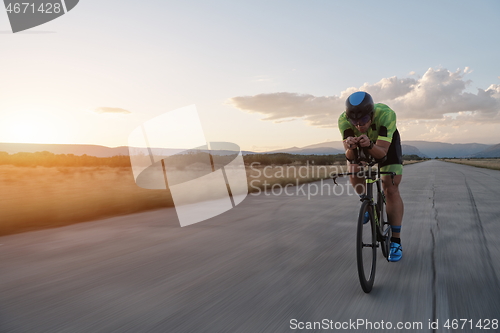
[(369, 196)]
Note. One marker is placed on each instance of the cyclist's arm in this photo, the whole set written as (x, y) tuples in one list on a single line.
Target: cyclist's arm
[(379, 149), (387, 127), (350, 147), (351, 155)]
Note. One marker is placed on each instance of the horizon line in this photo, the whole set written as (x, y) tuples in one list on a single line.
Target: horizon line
[(102, 145)]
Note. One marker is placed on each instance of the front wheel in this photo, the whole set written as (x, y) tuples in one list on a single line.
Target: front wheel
[(366, 248)]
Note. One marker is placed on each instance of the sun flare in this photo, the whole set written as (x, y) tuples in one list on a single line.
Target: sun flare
[(32, 127)]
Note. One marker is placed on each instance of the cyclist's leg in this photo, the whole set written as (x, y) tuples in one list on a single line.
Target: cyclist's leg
[(394, 163), (357, 182), (395, 210), (395, 206)]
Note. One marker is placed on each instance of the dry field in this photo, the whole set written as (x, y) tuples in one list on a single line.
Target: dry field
[(412, 162), (263, 177), (41, 197), (493, 163)]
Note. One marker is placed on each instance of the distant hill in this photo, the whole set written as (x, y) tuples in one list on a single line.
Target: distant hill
[(337, 147), (412, 150), (308, 151), (91, 150), (420, 148), (492, 151), (330, 144), (440, 149)]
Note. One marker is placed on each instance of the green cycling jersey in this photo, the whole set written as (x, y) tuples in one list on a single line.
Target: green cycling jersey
[(382, 128)]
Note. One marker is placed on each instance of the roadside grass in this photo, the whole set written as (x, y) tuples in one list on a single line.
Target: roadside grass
[(44, 197), (493, 163), (33, 198), (412, 162), (265, 177)]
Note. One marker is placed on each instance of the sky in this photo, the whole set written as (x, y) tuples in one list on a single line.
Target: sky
[(263, 74)]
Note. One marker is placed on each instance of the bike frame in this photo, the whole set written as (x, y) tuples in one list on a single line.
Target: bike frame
[(380, 229), (378, 207), (373, 177)]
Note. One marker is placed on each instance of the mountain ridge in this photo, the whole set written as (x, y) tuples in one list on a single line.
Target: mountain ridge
[(411, 147), (56, 148), (492, 151)]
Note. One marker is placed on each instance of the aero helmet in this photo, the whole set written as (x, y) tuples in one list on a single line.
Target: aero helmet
[(359, 107)]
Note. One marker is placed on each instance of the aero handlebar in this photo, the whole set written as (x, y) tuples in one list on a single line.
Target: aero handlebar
[(363, 156)]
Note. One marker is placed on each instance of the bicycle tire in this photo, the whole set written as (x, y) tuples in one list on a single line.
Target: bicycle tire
[(385, 244), (385, 228), (366, 248)]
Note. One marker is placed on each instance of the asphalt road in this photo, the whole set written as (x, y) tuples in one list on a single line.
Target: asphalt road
[(257, 268)]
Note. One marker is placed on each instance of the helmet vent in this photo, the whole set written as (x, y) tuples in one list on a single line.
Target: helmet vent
[(357, 98)]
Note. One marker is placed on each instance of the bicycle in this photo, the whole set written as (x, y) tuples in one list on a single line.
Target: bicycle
[(377, 231)]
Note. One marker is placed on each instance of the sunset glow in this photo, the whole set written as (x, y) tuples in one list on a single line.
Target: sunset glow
[(33, 127), (279, 81)]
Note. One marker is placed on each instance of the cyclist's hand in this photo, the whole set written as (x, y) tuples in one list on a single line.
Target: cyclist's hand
[(350, 143), (364, 141)]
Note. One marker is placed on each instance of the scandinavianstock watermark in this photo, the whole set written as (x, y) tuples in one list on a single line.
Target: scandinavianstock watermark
[(26, 14), (204, 178), (265, 181)]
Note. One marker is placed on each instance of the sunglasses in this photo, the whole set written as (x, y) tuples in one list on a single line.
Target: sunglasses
[(362, 121)]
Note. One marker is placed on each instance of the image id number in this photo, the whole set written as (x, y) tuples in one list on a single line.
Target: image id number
[(485, 324), (26, 7)]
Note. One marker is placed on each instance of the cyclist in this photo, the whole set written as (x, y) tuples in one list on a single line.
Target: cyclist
[(373, 126)]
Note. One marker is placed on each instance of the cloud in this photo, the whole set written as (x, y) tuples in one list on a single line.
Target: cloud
[(435, 95), (262, 78), (287, 106), (105, 109)]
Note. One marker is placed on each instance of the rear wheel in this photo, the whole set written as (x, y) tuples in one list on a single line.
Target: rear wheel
[(366, 248), (386, 242), (385, 230)]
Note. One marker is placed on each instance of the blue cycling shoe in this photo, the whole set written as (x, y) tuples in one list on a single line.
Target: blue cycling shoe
[(396, 252), (367, 218)]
